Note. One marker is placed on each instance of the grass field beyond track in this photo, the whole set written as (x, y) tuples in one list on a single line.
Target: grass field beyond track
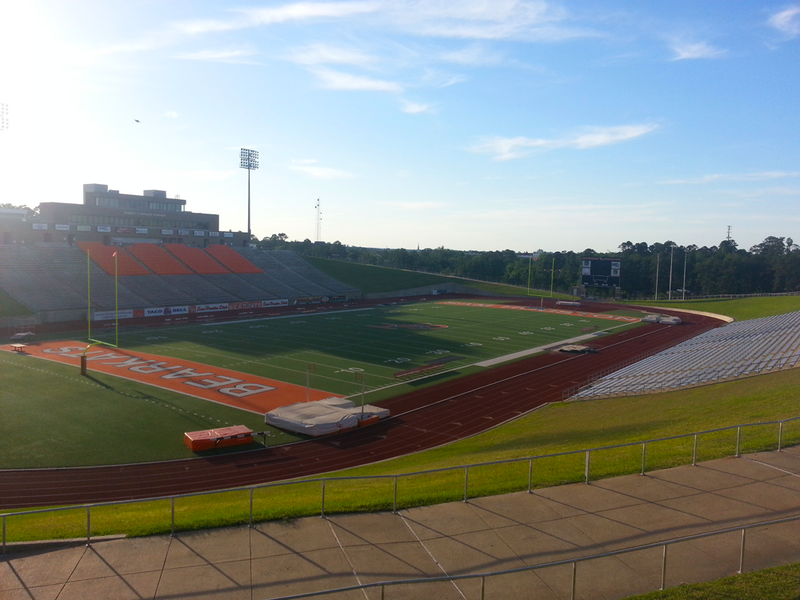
[(53, 417)]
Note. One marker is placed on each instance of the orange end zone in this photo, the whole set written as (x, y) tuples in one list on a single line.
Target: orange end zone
[(217, 384)]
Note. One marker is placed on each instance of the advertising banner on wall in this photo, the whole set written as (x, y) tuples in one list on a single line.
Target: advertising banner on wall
[(271, 303), (62, 227), (39, 226), (204, 308), (103, 229), (183, 232), (166, 311), (199, 233), (227, 234), (167, 232), (213, 234), (84, 227), (110, 315), (141, 230)]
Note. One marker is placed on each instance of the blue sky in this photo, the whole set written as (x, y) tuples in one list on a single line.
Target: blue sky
[(473, 124)]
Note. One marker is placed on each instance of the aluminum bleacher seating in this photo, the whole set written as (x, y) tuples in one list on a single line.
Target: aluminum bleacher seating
[(196, 259), (736, 350)]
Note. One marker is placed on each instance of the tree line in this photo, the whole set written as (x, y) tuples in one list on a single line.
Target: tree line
[(647, 270)]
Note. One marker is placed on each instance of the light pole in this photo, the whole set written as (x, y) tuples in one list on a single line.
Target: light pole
[(248, 159), (671, 250)]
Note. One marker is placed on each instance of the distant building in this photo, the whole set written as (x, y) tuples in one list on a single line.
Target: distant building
[(114, 218)]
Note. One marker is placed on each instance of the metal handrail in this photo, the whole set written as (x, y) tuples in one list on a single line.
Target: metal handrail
[(325, 480), (569, 561)]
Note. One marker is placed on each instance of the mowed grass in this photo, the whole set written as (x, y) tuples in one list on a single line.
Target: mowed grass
[(558, 434), (333, 350), (53, 417)]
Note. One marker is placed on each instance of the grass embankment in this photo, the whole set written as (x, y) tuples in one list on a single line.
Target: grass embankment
[(558, 428), (371, 279), (10, 307), (780, 583), (741, 309)]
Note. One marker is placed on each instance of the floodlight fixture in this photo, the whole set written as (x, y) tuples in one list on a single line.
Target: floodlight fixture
[(248, 159)]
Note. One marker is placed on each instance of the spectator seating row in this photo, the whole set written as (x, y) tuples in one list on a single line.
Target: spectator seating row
[(738, 349)]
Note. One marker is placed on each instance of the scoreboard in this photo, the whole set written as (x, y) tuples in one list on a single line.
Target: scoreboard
[(600, 272)]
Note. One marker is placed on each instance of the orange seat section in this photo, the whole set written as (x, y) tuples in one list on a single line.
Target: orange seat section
[(123, 264), (196, 259), (232, 259), (158, 260)]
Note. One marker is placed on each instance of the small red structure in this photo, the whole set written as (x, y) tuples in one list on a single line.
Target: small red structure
[(217, 438)]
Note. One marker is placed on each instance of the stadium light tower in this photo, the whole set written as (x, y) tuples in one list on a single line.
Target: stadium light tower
[(248, 159)]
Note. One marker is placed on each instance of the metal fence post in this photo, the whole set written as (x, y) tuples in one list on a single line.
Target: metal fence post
[(644, 456), (394, 506), (587, 466), (322, 514), (250, 522), (780, 435), (530, 475), (574, 580), (738, 440), (466, 482), (664, 568), (172, 525), (88, 525), (741, 551), (4, 535), (483, 587), (694, 452)]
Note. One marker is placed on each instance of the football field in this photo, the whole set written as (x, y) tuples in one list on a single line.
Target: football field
[(55, 417), (333, 351)]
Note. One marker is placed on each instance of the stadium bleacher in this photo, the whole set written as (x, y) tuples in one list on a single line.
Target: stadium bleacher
[(196, 259), (54, 278), (158, 260), (739, 349), (232, 259)]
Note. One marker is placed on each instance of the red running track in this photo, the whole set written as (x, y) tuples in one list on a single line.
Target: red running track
[(423, 419)]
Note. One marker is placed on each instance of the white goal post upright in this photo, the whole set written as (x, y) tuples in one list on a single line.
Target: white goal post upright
[(93, 341)]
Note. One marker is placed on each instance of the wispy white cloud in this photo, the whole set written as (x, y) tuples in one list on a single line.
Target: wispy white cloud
[(720, 177), (787, 21), (338, 80), (310, 168), (532, 20), (297, 11), (241, 56), (324, 54), (693, 50), (414, 108), (171, 114), (473, 55), (590, 137), (439, 79)]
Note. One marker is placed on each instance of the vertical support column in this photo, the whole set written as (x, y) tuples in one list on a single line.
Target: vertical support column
[(322, 514), (394, 505), (88, 525), (663, 568), (780, 435), (250, 522), (466, 482), (694, 452), (574, 580), (172, 525)]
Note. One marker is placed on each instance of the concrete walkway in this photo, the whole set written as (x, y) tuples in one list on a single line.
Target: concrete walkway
[(486, 534)]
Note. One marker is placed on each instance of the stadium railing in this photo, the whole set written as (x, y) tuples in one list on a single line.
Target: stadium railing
[(574, 466)]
